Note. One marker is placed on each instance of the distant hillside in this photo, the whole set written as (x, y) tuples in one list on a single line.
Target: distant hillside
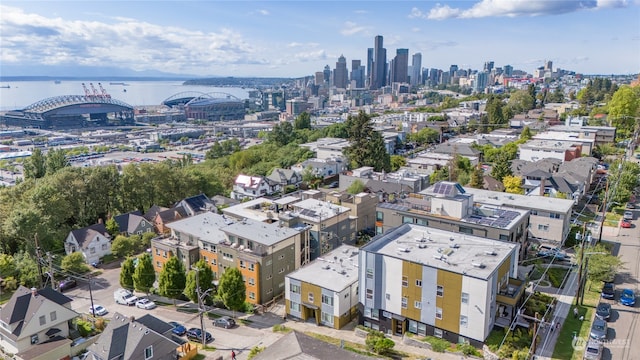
[(240, 82)]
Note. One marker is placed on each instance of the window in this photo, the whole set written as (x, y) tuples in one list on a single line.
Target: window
[(164, 255), (387, 296), (419, 283), (465, 230), (440, 291), (281, 285), (310, 297), (404, 302), (369, 294), (270, 291), (417, 304), (534, 212), (157, 251), (268, 263), (294, 306), (327, 318), (378, 230), (543, 227), (407, 220), (379, 216), (439, 313), (159, 264), (252, 295), (269, 277), (242, 265), (437, 333), (148, 353), (34, 339), (463, 321), (405, 281), (281, 257), (281, 271), (213, 261), (53, 316), (295, 289), (413, 326), (422, 329), (104, 246), (464, 298), (422, 222), (504, 237), (554, 216), (43, 320), (251, 267), (327, 300), (92, 250), (252, 281), (369, 273)]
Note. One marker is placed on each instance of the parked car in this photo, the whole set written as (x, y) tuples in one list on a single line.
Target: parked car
[(177, 328), (603, 311), (608, 291), (333, 185), (593, 350), (196, 335), (625, 224), (97, 310), (145, 304), (630, 206), (552, 253), (628, 297), (598, 329), (225, 322), (67, 284), (628, 215)]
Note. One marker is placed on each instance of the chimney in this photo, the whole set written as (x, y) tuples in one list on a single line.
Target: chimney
[(132, 318), (34, 292), (542, 185)]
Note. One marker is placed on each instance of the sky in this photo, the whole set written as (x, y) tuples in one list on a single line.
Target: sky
[(297, 38)]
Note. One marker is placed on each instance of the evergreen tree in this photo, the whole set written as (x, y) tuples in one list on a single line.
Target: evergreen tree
[(526, 133), (34, 166), (303, 121), (367, 146), (172, 279), (127, 269), (501, 167), (477, 180), (232, 290), (56, 160), (144, 276)]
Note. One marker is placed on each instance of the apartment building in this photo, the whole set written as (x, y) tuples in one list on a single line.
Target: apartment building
[(432, 282), (549, 218), (362, 207), (535, 150), (263, 252), (448, 206), (325, 290)]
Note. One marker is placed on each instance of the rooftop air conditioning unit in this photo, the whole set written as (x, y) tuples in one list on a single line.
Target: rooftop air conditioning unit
[(478, 265)]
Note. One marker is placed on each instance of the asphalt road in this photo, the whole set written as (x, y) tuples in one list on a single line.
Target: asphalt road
[(241, 338), (624, 335)]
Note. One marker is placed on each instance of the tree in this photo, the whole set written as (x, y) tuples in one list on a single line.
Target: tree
[(112, 227), (303, 121), (282, 133), (356, 187), (126, 273), (56, 160), (74, 263), (144, 276), (122, 246), (205, 278), (477, 178), (172, 279), (513, 184), (232, 290), (623, 108), (377, 342), (526, 134), (7, 266), (34, 166), (28, 269), (521, 101), (397, 162), (367, 146), (601, 265), (501, 166)]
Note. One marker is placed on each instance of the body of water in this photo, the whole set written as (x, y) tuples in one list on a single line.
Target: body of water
[(20, 94)]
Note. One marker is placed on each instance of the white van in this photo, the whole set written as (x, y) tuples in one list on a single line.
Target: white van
[(124, 297)]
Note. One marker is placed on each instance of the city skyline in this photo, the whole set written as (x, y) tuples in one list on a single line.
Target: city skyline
[(293, 39)]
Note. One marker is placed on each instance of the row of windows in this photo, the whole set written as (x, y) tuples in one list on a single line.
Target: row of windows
[(325, 317), (92, 250)]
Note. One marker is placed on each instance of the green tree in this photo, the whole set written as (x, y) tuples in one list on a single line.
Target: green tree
[(123, 246), (367, 146), (34, 166), (426, 135), (144, 276), (56, 160), (526, 134), (513, 184), (501, 166), (205, 278), (477, 178), (7, 266), (356, 187), (623, 108), (74, 263), (28, 269), (397, 162), (602, 266), (172, 279), (282, 133), (494, 112), (377, 342), (302, 121), (521, 101), (232, 290), (127, 270), (112, 227)]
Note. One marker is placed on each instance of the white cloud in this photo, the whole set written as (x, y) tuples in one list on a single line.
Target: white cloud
[(514, 8), (307, 45), (361, 12), (263, 12), (311, 56), (351, 28)]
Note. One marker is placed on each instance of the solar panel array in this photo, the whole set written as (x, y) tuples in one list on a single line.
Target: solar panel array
[(442, 188), (500, 218), (308, 212)]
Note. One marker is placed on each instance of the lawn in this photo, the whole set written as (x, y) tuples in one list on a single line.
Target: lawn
[(564, 348), (362, 349), (5, 296)]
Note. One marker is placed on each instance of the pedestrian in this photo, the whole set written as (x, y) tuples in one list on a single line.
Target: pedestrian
[(553, 325), (575, 312), (558, 326), (233, 355)]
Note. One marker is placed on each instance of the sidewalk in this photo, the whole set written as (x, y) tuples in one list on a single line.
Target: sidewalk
[(565, 300)]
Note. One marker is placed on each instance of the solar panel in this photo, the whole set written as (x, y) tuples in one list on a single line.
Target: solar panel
[(441, 188), (460, 189)]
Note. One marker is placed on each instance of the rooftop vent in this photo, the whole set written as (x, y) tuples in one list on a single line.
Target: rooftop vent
[(478, 265), (422, 246), (437, 256), (405, 250), (326, 267), (454, 246), (490, 252)]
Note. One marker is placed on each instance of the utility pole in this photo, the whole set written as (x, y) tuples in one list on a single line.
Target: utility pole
[(581, 264), (50, 261), (604, 210), (93, 310), (38, 260), (200, 308)]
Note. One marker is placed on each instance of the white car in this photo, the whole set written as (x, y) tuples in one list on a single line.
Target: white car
[(97, 310), (145, 304)]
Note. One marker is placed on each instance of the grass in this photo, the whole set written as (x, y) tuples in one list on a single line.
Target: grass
[(199, 357), (362, 349), (494, 339), (571, 326), (5, 296), (281, 328), (556, 276)]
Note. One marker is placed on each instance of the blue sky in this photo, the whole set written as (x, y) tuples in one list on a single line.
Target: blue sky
[(297, 38)]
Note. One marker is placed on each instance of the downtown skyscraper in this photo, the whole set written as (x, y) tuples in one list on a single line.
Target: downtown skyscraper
[(416, 69), (401, 66), (340, 74), (379, 68)]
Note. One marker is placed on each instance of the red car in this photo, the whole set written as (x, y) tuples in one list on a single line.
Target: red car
[(625, 224)]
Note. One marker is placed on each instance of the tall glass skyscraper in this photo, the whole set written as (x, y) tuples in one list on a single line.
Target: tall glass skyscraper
[(379, 73), (401, 66), (340, 77)]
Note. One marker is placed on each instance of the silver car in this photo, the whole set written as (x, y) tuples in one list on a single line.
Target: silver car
[(598, 330), (593, 350)]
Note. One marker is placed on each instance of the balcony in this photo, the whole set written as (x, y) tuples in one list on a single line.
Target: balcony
[(511, 293)]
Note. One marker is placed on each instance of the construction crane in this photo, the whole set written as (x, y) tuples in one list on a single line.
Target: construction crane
[(104, 92), (95, 92), (86, 91)]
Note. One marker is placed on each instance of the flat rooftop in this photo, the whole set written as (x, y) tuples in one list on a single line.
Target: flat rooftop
[(520, 201), (334, 271), (459, 253), (205, 226), (252, 209), (317, 210), (548, 145)]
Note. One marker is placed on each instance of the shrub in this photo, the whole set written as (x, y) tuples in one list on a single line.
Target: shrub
[(468, 349), (280, 328), (437, 344), (255, 351), (378, 343), (84, 327), (100, 324), (248, 308)]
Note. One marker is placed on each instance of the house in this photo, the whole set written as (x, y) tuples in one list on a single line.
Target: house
[(164, 217), (133, 223), (297, 345), (34, 324), (431, 282), (534, 150), (125, 338), (252, 187), (322, 167), (285, 177), (196, 204), (325, 290), (93, 241)]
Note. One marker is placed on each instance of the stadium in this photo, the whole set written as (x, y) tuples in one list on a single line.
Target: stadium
[(208, 106)]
